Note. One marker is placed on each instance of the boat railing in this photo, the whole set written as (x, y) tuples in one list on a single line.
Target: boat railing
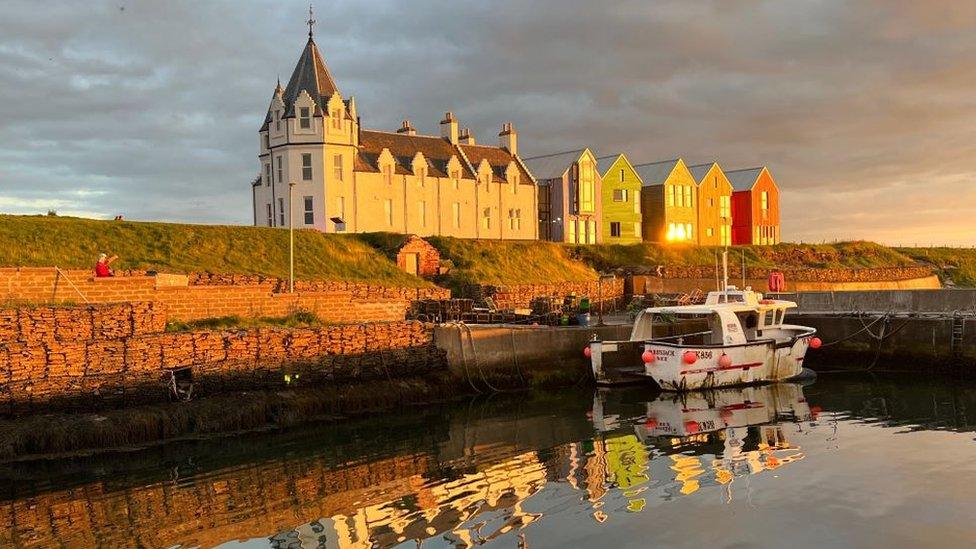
[(683, 336)]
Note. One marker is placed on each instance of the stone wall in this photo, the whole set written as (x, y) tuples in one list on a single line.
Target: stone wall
[(521, 296), (208, 295), (801, 275), (120, 352)]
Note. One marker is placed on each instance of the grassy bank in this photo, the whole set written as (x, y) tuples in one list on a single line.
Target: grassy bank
[(782, 256), (510, 262), (42, 241), (955, 264)]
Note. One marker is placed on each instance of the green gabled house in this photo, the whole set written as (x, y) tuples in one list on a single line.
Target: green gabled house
[(621, 200)]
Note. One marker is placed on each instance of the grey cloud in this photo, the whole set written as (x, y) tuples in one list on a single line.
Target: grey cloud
[(152, 110)]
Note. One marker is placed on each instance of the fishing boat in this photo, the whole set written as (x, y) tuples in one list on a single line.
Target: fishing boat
[(737, 337)]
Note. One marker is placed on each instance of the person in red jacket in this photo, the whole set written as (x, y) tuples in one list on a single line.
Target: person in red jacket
[(101, 268)]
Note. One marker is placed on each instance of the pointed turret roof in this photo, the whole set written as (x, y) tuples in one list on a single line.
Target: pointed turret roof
[(310, 75)]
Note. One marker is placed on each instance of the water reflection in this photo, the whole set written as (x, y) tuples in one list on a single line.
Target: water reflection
[(515, 469)]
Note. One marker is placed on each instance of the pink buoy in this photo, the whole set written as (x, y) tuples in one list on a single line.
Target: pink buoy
[(691, 426), (648, 357), (651, 423), (815, 343), (587, 352), (689, 357), (724, 361)]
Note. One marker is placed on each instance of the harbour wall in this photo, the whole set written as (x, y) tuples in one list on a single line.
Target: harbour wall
[(521, 295), (645, 284), (120, 353), (892, 343), (945, 300), (197, 296)]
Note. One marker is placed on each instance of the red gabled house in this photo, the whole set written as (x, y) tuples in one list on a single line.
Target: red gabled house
[(755, 207)]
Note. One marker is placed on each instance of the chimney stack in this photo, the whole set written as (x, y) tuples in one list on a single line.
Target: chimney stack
[(449, 128), (466, 137), (407, 128), (508, 139)]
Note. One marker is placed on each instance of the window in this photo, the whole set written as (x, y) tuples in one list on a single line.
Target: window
[(615, 229), (687, 193), (336, 120), (337, 167), (270, 215), (711, 202), (514, 186), (267, 174), (388, 174), (388, 211), (486, 218), (621, 175), (725, 206), (304, 118), (572, 232), (518, 219), (487, 180), (586, 186), (620, 195), (280, 177), (278, 121), (726, 235), (689, 231), (709, 232), (306, 166), (422, 213), (764, 197), (422, 176), (670, 193), (672, 232), (341, 207), (591, 232), (456, 179), (637, 230), (267, 141), (456, 211), (309, 211), (281, 212), (637, 206)]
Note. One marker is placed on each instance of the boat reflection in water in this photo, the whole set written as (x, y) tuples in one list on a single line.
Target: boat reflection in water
[(674, 447)]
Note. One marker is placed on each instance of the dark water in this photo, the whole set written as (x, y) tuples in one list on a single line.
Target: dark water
[(847, 461)]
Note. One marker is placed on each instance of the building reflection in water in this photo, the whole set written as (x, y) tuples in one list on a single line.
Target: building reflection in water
[(675, 447)]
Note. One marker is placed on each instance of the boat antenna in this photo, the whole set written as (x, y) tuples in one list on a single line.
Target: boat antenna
[(743, 269), (718, 285), (725, 272)]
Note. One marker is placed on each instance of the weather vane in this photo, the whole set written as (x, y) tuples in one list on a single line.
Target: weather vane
[(311, 20)]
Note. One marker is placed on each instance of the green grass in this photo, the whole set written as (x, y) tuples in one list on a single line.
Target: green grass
[(298, 319), (43, 241), (509, 262), (956, 264), (784, 256)]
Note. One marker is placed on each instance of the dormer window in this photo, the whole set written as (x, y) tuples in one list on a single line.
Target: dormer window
[(305, 118), (388, 173), (337, 120), (514, 186), (278, 121), (422, 176), (456, 178)]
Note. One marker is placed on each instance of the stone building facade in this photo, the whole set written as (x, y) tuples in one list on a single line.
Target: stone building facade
[(319, 165)]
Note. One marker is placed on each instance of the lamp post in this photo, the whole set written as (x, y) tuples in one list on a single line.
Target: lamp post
[(291, 239)]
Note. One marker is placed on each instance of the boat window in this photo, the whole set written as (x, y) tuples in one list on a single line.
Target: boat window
[(770, 318)]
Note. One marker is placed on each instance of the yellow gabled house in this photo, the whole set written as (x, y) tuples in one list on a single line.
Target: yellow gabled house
[(714, 204), (668, 202)]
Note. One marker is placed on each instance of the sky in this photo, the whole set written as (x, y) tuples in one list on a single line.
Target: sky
[(864, 111)]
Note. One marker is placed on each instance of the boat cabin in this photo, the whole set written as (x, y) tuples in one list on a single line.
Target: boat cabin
[(732, 317)]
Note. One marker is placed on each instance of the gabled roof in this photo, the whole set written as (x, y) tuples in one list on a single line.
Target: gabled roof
[(744, 180), (404, 147), (655, 173), (552, 166), (699, 171), (310, 75), (497, 158)]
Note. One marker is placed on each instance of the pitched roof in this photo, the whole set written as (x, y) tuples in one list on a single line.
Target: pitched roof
[(654, 173), (404, 147), (497, 158), (604, 163), (699, 171), (310, 75), (744, 180), (552, 166), (267, 118)]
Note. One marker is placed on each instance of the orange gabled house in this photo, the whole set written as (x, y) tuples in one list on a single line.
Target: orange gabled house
[(714, 204), (755, 207)]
